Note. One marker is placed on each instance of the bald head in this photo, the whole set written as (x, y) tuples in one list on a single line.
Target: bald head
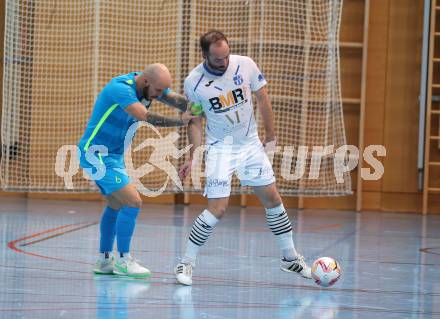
[(155, 78), (157, 74)]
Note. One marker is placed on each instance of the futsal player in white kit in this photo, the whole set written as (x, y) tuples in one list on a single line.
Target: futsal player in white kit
[(223, 85)]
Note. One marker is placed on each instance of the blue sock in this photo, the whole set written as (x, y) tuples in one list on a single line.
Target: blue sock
[(108, 229), (125, 227)]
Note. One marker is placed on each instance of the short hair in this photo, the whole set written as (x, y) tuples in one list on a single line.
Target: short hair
[(211, 37)]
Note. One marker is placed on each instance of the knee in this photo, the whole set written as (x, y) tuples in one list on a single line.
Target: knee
[(273, 201), (218, 210), (113, 204), (134, 201)]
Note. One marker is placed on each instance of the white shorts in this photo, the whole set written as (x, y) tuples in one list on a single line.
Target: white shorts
[(250, 164)]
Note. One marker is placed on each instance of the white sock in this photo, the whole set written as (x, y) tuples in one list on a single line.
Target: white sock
[(279, 223), (202, 228)]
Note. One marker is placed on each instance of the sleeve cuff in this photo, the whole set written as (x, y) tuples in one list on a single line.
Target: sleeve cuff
[(259, 86), (164, 92)]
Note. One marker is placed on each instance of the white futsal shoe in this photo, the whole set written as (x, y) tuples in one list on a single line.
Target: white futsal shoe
[(130, 267), (297, 265), (184, 273), (104, 266)]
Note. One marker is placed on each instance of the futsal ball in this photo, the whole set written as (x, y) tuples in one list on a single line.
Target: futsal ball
[(196, 109), (326, 271)]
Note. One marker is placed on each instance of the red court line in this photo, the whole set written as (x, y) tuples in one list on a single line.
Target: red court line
[(13, 244), (57, 234)]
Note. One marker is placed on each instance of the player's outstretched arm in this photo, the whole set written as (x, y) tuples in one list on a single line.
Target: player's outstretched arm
[(265, 109), (176, 100), (195, 138), (163, 121), (141, 113)]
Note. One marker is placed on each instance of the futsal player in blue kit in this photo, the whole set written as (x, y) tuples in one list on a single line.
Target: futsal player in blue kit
[(122, 102)]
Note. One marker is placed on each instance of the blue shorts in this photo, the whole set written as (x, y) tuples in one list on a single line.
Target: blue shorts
[(108, 172)]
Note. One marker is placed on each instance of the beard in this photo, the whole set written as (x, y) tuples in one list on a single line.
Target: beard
[(216, 68), (145, 93)]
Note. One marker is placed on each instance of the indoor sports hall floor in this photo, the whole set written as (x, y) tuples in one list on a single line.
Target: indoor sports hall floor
[(390, 265)]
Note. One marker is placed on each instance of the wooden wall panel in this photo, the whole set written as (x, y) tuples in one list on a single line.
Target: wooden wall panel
[(402, 90), (2, 37), (163, 199), (234, 200), (372, 200), (434, 203), (434, 176), (343, 203), (351, 69), (401, 202), (376, 83), (55, 196), (12, 194), (352, 21)]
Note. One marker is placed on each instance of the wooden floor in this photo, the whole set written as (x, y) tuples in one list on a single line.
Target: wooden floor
[(390, 265)]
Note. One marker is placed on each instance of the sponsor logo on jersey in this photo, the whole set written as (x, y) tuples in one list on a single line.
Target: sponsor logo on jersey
[(224, 103), (209, 83), (215, 182)]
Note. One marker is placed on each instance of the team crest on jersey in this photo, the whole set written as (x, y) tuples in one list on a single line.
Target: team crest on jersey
[(238, 79)]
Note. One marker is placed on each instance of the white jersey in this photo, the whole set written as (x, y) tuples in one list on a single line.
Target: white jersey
[(227, 100)]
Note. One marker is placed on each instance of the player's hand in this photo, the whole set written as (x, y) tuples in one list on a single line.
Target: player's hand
[(184, 170), (269, 140), (186, 117), (269, 144)]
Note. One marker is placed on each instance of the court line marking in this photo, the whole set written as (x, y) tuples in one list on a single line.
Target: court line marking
[(221, 281), (13, 244), (58, 234)]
